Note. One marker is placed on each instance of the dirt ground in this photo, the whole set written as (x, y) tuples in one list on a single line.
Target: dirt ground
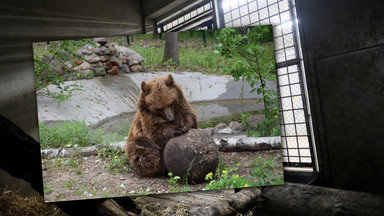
[(90, 177)]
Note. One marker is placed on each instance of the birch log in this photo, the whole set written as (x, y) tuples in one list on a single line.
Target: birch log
[(244, 143)]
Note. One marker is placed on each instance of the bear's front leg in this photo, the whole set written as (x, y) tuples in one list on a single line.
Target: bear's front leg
[(146, 157), (189, 121)]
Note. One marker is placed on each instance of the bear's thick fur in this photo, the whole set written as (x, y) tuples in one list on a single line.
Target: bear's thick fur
[(163, 113)]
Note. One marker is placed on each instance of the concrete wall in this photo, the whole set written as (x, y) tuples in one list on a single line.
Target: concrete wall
[(344, 58), (22, 22)]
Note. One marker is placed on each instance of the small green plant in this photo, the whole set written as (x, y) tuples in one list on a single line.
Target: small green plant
[(173, 183), (119, 163), (227, 178), (72, 163), (69, 183), (75, 165), (47, 189), (79, 191), (101, 138), (104, 194), (264, 172), (58, 163)]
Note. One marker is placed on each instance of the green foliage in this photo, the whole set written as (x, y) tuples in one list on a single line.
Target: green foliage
[(68, 134), (227, 178), (193, 56), (100, 137), (68, 183), (47, 189), (119, 162), (263, 171), (251, 63), (173, 183), (62, 51), (65, 134)]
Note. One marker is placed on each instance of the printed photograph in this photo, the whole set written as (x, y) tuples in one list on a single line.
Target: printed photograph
[(158, 113)]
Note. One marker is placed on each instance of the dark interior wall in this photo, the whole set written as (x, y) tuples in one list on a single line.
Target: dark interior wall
[(343, 47), (22, 22)]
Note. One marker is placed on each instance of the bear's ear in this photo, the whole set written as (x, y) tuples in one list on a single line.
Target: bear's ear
[(144, 87), (169, 80)]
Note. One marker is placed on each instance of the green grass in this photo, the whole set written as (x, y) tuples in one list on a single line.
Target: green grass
[(65, 134), (193, 55), (68, 134)]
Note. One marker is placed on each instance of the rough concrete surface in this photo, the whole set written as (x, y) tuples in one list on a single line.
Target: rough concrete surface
[(112, 99)]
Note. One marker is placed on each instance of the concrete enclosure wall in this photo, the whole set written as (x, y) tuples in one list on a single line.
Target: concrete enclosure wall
[(343, 44)]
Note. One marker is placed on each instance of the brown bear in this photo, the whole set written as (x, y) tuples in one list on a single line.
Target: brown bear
[(163, 113)]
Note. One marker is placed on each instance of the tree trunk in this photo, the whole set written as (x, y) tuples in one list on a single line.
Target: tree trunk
[(171, 49)]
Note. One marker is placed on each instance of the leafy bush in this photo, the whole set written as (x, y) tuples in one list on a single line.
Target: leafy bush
[(62, 51), (251, 63)]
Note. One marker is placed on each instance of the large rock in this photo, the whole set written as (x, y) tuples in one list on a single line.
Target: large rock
[(236, 127), (87, 49), (104, 58), (136, 68), (125, 51), (113, 50), (124, 69), (78, 62), (100, 40), (85, 66), (114, 70), (92, 59), (114, 61), (192, 155), (102, 50)]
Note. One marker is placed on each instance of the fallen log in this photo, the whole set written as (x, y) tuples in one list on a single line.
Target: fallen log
[(244, 143), (111, 208), (82, 151), (225, 144), (234, 204), (300, 199)]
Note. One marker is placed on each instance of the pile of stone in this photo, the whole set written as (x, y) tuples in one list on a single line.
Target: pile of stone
[(107, 58), (233, 128)]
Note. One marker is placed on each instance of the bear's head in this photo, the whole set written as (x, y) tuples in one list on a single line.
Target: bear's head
[(160, 97)]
